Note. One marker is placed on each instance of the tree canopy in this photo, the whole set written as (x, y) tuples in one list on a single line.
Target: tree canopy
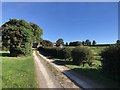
[(18, 35), (87, 42), (94, 42), (75, 43), (118, 41), (59, 42), (37, 32)]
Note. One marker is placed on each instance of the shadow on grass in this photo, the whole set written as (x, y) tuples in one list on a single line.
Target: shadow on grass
[(97, 76), (62, 62), (89, 72), (5, 54), (92, 74)]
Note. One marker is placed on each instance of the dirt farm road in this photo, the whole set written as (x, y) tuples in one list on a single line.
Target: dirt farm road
[(46, 78)]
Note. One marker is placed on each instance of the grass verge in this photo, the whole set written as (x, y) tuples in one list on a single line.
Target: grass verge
[(18, 72)]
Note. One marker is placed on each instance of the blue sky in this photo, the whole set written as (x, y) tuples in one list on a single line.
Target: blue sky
[(70, 21)]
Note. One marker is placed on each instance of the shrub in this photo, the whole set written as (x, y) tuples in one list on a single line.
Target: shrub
[(81, 55), (50, 51), (61, 53), (64, 53), (111, 61), (76, 43), (53, 52)]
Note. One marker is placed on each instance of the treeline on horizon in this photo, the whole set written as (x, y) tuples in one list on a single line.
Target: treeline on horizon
[(60, 41), (14, 31)]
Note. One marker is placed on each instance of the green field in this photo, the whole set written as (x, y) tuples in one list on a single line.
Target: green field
[(97, 58), (17, 72)]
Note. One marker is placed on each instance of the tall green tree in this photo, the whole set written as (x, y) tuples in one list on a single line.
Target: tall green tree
[(94, 42), (87, 42), (59, 41), (37, 32), (17, 37), (83, 43), (66, 44), (118, 41)]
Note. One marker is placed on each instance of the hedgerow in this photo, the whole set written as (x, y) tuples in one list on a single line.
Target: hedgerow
[(111, 61), (81, 55)]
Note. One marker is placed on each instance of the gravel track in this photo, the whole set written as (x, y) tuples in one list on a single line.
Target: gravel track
[(45, 78)]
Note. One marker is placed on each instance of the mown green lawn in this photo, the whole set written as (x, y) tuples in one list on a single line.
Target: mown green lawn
[(17, 72)]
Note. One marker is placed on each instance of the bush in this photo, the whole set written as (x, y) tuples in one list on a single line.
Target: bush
[(81, 55), (64, 53), (27, 50), (50, 51), (61, 53), (54, 52), (111, 61)]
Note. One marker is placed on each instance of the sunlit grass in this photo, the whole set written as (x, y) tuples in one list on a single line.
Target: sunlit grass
[(18, 72)]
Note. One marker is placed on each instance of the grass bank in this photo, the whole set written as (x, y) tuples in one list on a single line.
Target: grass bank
[(17, 72)]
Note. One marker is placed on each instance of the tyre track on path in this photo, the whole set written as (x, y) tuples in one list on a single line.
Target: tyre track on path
[(45, 79)]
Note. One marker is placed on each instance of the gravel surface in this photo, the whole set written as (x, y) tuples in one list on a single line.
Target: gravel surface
[(45, 78)]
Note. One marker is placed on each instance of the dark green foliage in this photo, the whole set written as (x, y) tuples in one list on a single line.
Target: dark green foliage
[(17, 36), (34, 45), (49, 51), (83, 43), (66, 44), (37, 32), (59, 42), (101, 45), (94, 42), (87, 42), (118, 41), (52, 51), (76, 43), (82, 55), (61, 53), (111, 61), (64, 53)]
